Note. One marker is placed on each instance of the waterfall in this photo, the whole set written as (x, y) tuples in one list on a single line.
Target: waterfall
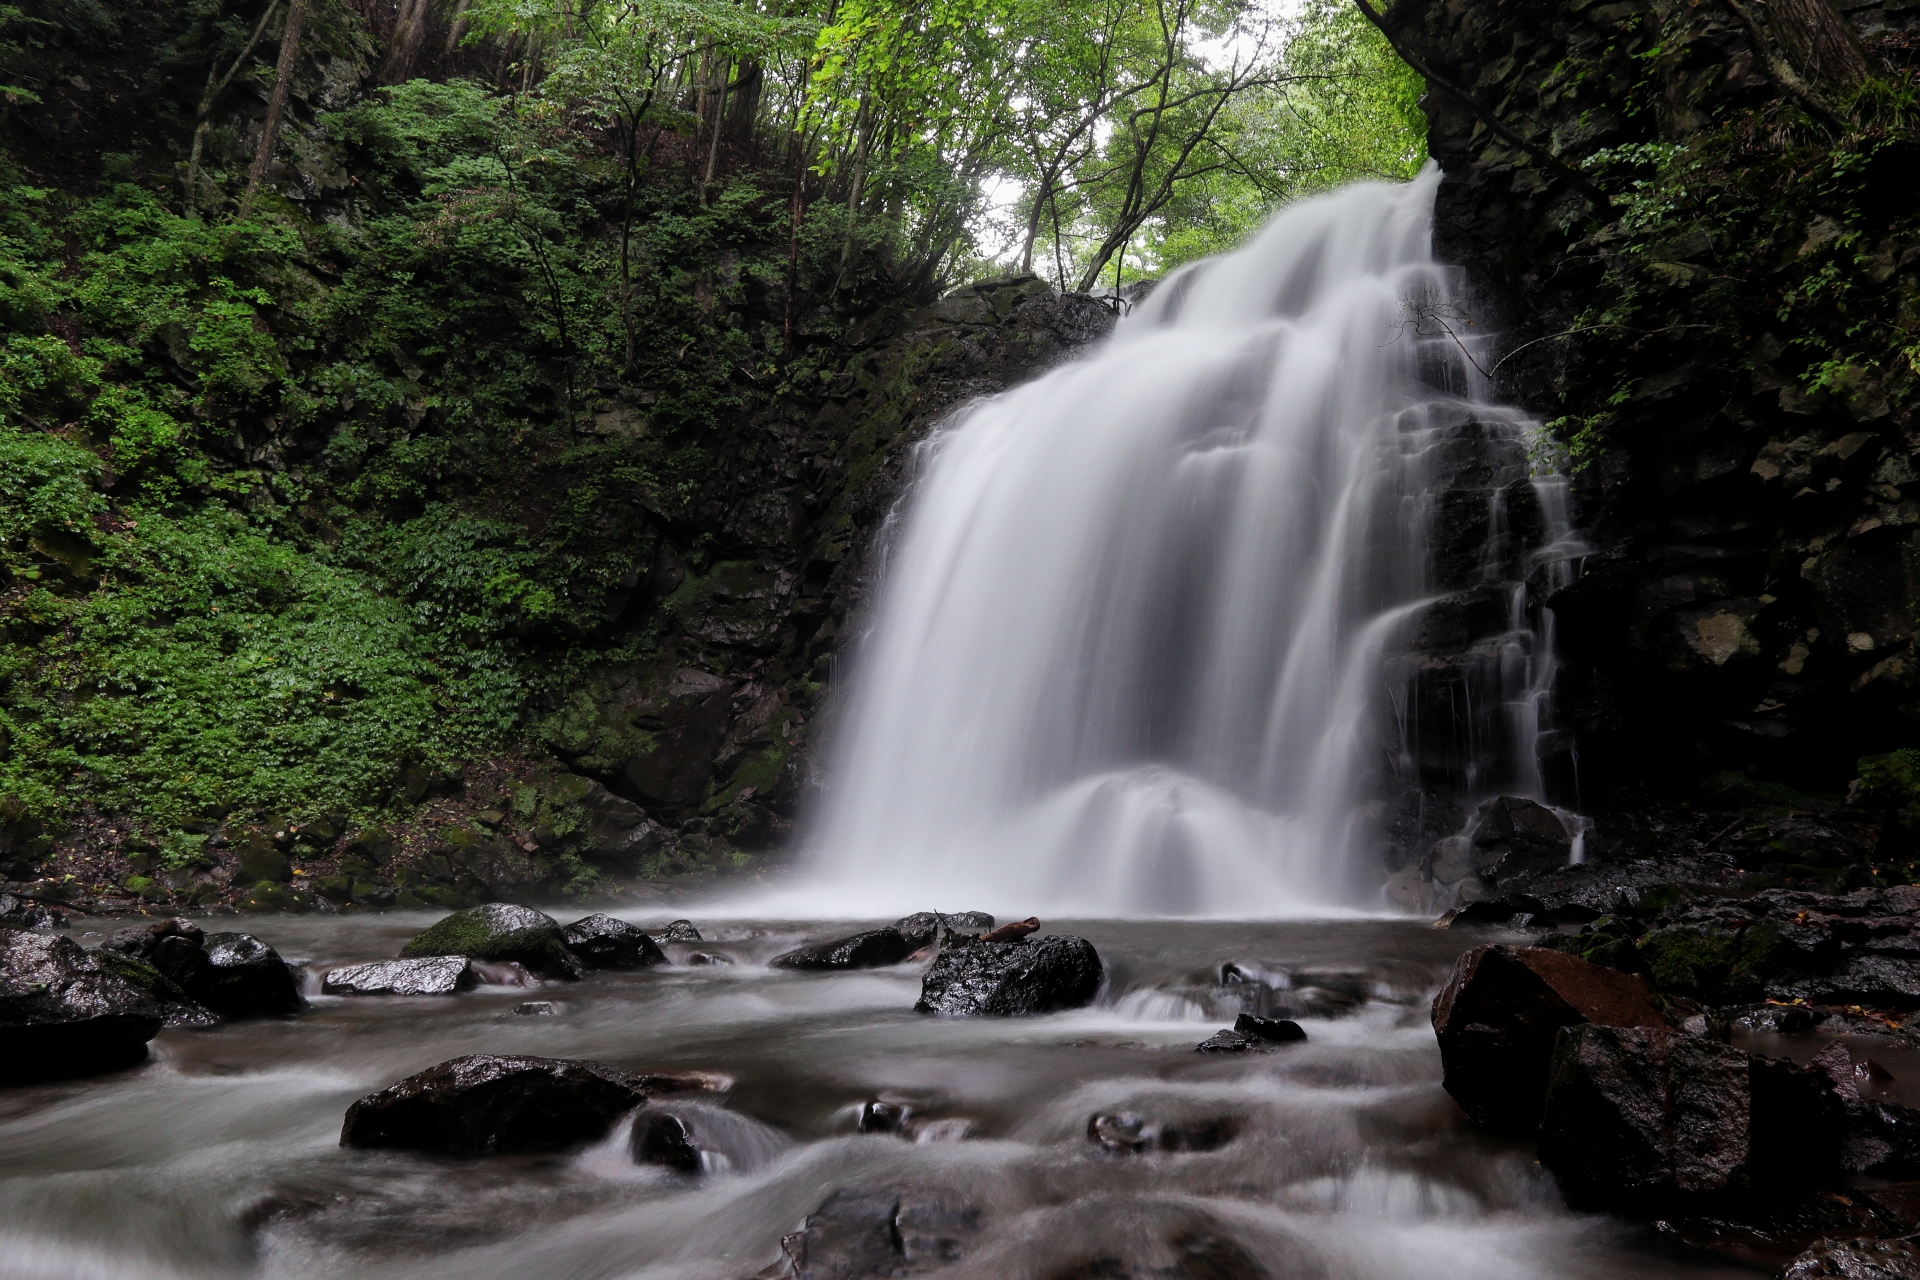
[(1132, 654)]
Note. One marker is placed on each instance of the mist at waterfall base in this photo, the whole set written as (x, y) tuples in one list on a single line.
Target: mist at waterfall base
[(1129, 654)]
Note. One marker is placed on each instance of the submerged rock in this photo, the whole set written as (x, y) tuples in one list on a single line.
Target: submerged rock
[(501, 931), (486, 1103), (873, 949), (1866, 1259), (862, 1232), (63, 1012), (602, 942), (1253, 1033), (974, 978), (1497, 1016), (426, 976), (1649, 1121), (1130, 1133), (690, 1136)]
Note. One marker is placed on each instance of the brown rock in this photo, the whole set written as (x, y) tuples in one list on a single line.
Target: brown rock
[(1497, 1017), (1013, 931)]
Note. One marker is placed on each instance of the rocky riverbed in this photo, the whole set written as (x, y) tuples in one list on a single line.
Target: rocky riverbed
[(734, 1117)]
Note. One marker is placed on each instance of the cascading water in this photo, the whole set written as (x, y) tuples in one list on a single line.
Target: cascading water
[(1130, 654)]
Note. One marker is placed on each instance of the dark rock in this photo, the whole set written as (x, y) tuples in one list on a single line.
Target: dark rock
[(1516, 836), (1653, 1122), (183, 960), (678, 931), (663, 1139), (18, 913), (178, 1009), (708, 958), (874, 949), (536, 1009), (1497, 1017), (139, 941), (602, 942), (920, 929), (501, 931), (867, 1232), (884, 1117), (65, 1013), (972, 978), (968, 922), (1865, 1259), (244, 977), (1253, 1033), (426, 976), (486, 1103)]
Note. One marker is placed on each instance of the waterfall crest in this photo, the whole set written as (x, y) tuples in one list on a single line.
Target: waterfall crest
[(1131, 652)]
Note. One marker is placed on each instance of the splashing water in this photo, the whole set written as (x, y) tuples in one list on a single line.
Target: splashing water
[(1129, 657)]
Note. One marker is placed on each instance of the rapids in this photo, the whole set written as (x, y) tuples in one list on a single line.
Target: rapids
[(220, 1157)]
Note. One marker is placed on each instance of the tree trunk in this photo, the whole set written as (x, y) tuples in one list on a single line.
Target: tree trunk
[(203, 118), (1821, 45), (456, 27), (404, 47), (277, 103)]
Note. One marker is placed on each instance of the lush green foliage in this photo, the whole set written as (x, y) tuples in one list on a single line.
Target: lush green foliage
[(292, 505)]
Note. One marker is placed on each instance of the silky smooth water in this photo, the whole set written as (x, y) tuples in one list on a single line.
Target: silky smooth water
[(1129, 654), (220, 1158)]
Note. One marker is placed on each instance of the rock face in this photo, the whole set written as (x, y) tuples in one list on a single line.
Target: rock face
[(602, 942), (1515, 836), (64, 1013), (892, 1231), (1857, 1260), (501, 931), (1653, 1122), (972, 978), (485, 1103), (427, 976), (1497, 1018), (874, 949)]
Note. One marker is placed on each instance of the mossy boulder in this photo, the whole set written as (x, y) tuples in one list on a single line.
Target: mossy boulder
[(501, 931)]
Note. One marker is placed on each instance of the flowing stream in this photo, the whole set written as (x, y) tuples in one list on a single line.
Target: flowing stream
[(220, 1158), (1130, 655)]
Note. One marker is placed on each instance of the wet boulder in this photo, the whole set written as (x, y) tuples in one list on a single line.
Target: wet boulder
[(862, 1232), (678, 931), (975, 978), (1657, 1123), (1517, 836), (1864, 1259), (178, 1009), (923, 928), (426, 976), (1251, 1033), (484, 1103), (19, 913), (501, 931), (602, 942), (1497, 1017), (244, 977), (65, 1013), (874, 949), (695, 1137)]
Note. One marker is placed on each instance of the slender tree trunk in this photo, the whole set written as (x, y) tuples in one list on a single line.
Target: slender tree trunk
[(456, 27), (203, 118), (722, 68), (283, 73), (403, 49)]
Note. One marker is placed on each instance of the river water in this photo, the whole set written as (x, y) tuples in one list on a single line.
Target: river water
[(220, 1157)]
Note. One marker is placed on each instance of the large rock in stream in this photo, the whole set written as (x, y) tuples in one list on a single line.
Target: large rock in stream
[(602, 942), (874, 949), (1497, 1017), (234, 975), (426, 976), (974, 978), (486, 1103), (65, 1013), (501, 931), (1659, 1123)]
